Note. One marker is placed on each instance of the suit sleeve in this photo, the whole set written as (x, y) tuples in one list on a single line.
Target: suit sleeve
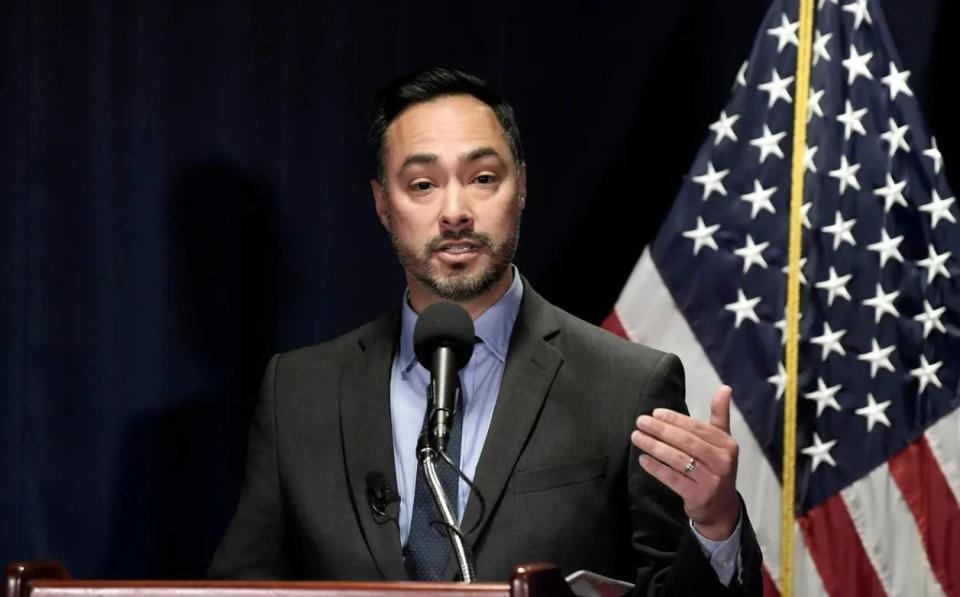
[(670, 561), (253, 546)]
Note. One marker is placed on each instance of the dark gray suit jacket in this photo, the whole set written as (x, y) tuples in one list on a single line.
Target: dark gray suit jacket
[(559, 474)]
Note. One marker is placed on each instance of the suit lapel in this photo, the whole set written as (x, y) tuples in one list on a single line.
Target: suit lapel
[(368, 439), (532, 364)]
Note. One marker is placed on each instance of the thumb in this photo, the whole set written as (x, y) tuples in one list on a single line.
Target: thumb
[(720, 408)]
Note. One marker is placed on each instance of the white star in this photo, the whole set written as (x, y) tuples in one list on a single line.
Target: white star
[(759, 199), (892, 193), (724, 127), (768, 143), (874, 412), (782, 326), (930, 318), (851, 120), (879, 358), (752, 253), (777, 88), (808, 154), (934, 264), (743, 308), (779, 380), (934, 154), (820, 3), (820, 452), (702, 236), (829, 341), (803, 262), (856, 65), (860, 12), (887, 247), (824, 396), (741, 75), (785, 33), (813, 103), (805, 212), (897, 81), (883, 303), (896, 137), (926, 373), (846, 174), (712, 181), (820, 47), (835, 285), (939, 209), (841, 231)]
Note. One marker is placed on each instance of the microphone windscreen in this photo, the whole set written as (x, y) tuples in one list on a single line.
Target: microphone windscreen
[(443, 324)]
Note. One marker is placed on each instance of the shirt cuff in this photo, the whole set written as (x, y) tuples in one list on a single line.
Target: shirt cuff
[(724, 555)]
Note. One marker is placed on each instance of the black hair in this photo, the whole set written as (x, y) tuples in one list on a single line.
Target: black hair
[(424, 86)]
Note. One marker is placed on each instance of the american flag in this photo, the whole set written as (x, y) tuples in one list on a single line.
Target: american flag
[(878, 431)]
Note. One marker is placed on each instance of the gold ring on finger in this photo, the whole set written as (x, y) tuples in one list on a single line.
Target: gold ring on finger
[(691, 466)]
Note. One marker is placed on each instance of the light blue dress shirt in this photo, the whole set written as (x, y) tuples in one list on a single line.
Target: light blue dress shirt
[(480, 386)]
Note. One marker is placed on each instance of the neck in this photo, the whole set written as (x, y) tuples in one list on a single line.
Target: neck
[(421, 298)]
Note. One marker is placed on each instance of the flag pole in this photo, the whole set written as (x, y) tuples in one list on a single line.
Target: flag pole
[(787, 518)]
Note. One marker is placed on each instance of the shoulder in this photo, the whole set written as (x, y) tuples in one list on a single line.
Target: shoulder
[(338, 350)]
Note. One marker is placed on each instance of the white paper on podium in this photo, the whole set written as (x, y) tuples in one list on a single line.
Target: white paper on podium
[(584, 583)]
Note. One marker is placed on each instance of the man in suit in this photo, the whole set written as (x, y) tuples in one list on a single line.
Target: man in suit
[(577, 441)]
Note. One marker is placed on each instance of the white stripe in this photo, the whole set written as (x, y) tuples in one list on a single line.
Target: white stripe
[(648, 314), (944, 441), (889, 534)]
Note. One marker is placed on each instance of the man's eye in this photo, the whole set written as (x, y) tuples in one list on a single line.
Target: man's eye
[(486, 179), (421, 185)]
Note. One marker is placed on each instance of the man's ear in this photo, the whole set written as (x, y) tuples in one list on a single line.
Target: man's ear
[(522, 184), (379, 200)]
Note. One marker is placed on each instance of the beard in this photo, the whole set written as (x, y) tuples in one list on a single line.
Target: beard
[(459, 285)]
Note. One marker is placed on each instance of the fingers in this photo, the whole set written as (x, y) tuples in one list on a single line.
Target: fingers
[(680, 441), (667, 454), (678, 483), (720, 408)]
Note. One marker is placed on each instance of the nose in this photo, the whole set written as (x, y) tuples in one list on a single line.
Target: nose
[(455, 214)]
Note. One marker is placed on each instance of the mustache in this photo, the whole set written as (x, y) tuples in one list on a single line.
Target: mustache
[(479, 238)]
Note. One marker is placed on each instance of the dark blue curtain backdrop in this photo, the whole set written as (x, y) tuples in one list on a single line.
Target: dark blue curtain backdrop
[(183, 192)]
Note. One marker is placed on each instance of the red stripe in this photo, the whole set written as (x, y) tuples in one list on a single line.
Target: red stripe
[(769, 587), (836, 550), (917, 474), (612, 324)]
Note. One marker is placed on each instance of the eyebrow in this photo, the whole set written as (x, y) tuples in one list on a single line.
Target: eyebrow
[(432, 158)]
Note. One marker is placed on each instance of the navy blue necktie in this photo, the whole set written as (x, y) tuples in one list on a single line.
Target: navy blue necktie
[(428, 547)]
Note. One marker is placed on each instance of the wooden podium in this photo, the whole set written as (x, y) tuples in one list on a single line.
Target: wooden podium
[(51, 579)]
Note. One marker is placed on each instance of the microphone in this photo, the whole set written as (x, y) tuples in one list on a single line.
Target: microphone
[(380, 494), (443, 342)]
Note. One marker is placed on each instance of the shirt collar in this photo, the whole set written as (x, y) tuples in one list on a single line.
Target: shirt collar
[(493, 327)]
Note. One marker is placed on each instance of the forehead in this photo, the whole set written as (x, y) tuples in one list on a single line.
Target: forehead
[(448, 124)]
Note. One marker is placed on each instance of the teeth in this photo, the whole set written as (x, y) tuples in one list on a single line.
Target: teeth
[(456, 249)]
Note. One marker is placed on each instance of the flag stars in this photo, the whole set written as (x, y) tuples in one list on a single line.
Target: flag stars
[(939, 209), (752, 253), (702, 236), (887, 247), (892, 193), (882, 303), (813, 103), (786, 33), (808, 154), (782, 326), (842, 231), (934, 264), (743, 308), (896, 81), (896, 137), (860, 12), (934, 154), (723, 127), (846, 174), (777, 88), (851, 120), (824, 396), (712, 181), (874, 412), (835, 286), (779, 380), (829, 341), (803, 263), (926, 374), (879, 358), (819, 452), (805, 212), (856, 65), (930, 319), (759, 199), (820, 47), (768, 143), (741, 79)]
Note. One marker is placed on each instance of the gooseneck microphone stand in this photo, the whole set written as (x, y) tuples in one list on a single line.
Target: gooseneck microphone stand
[(428, 448)]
